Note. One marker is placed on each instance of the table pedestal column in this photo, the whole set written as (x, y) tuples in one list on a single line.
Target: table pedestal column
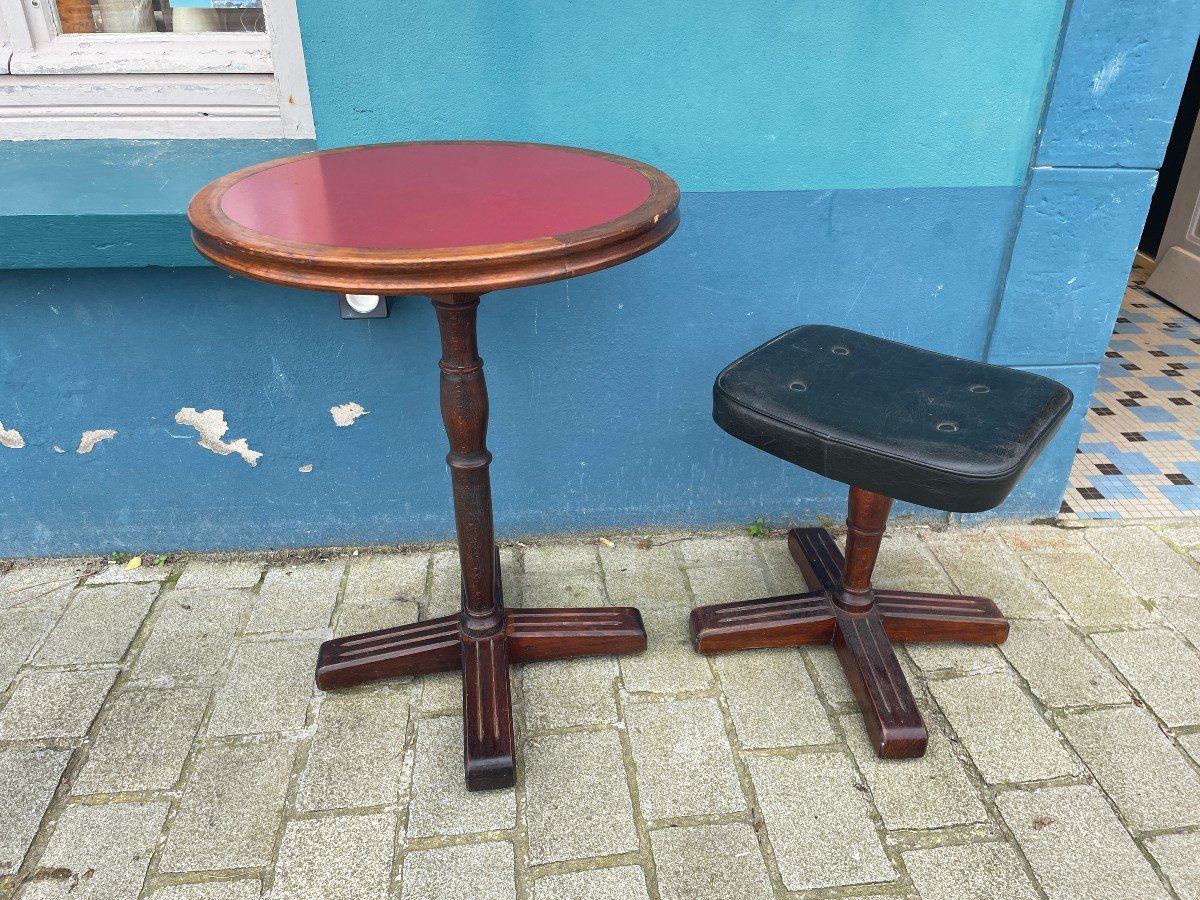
[(485, 637)]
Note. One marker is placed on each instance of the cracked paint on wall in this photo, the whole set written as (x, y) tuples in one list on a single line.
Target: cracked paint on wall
[(211, 427), (345, 415), (91, 438), (10, 437)]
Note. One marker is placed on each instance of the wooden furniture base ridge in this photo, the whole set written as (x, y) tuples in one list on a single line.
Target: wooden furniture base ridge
[(841, 608), (442, 645)]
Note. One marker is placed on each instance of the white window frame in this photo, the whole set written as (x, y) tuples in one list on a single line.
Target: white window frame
[(152, 85)]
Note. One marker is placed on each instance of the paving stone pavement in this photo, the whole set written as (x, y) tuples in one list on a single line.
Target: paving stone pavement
[(161, 737)]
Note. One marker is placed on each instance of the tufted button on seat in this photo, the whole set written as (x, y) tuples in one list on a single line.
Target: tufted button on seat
[(894, 419)]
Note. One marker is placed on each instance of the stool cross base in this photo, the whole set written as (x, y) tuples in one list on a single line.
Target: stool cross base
[(485, 637), (841, 608)]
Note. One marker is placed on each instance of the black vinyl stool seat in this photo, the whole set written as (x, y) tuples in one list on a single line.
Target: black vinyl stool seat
[(892, 421), (897, 420)]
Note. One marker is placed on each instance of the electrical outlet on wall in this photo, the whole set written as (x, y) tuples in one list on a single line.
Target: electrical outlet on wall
[(363, 306)]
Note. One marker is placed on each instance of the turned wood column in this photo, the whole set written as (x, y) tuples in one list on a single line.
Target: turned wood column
[(865, 524), (465, 414)]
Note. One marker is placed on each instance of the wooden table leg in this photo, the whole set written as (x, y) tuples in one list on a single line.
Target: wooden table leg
[(490, 754), (484, 638), (465, 415)]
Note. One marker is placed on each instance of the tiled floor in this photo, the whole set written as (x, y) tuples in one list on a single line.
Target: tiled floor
[(1140, 452)]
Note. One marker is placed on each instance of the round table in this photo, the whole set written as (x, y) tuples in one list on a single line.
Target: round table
[(452, 221)]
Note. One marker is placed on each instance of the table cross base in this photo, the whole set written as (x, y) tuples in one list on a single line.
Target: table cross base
[(443, 645)]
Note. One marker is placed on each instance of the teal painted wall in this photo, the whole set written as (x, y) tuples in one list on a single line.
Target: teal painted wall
[(111, 203), (726, 96)]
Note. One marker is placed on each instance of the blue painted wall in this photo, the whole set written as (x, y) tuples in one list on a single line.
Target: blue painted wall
[(1120, 76), (855, 163), (1116, 90), (600, 386)]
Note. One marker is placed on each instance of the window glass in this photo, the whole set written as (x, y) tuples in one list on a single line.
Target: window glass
[(176, 16)]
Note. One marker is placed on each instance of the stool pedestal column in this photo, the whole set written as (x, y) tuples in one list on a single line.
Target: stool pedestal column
[(485, 636), (842, 608)]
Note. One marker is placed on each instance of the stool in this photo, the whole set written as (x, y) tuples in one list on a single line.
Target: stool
[(893, 422)]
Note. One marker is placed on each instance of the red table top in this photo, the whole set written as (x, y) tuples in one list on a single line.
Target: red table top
[(434, 195), (433, 217)]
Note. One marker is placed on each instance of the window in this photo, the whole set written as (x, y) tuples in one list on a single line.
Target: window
[(151, 69)]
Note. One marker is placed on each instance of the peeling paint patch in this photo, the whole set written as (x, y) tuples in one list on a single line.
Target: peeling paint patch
[(211, 427), (346, 414), (306, 468), (11, 438), (91, 438)]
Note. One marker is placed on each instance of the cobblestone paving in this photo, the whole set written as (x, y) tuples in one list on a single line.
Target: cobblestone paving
[(161, 737)]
